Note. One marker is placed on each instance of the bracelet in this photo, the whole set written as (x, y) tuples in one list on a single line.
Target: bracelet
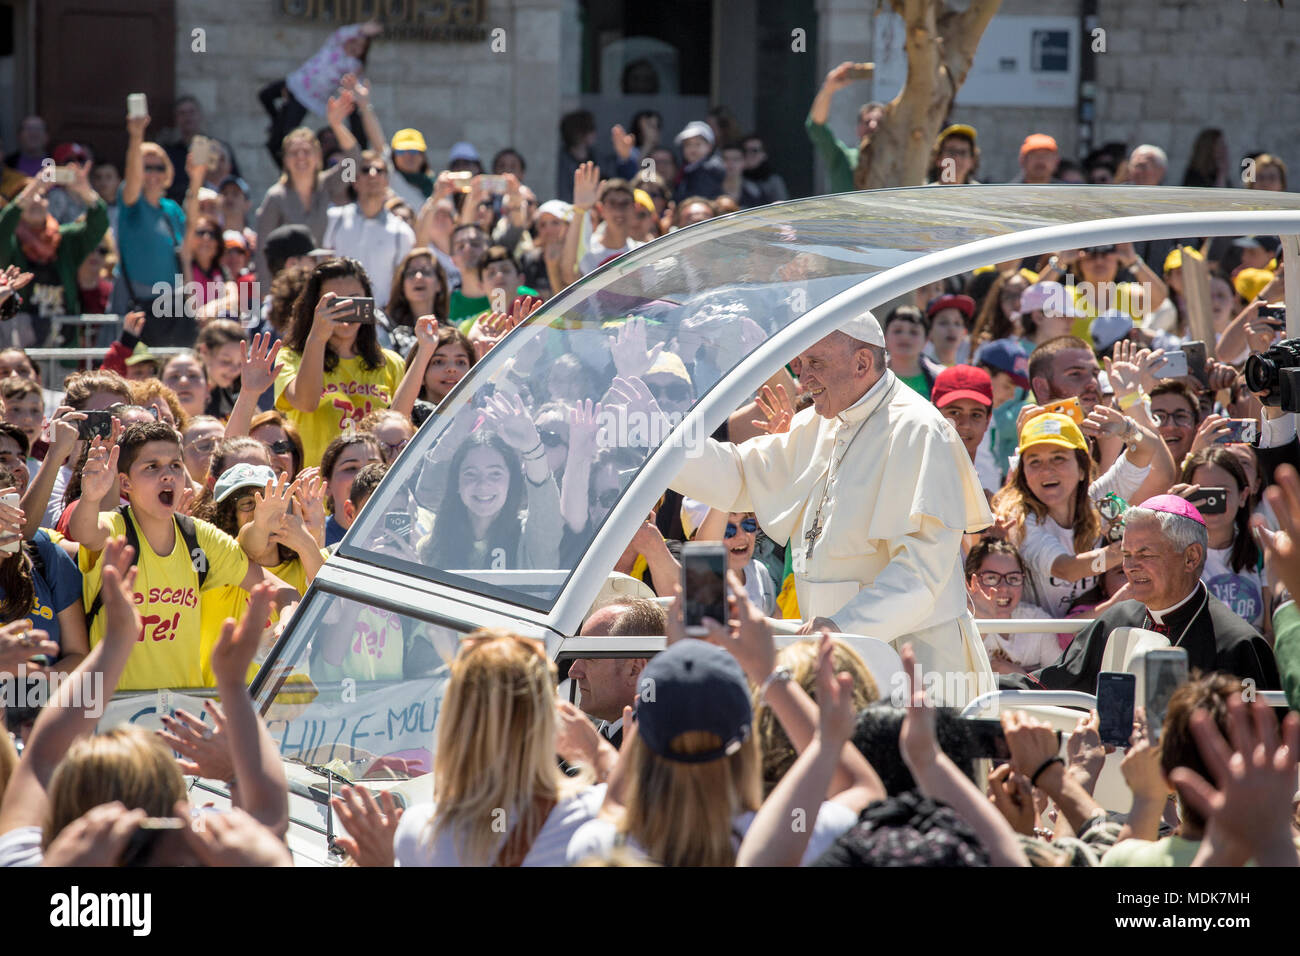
[(1033, 781), (529, 454), (537, 484), (1125, 402), (781, 675)]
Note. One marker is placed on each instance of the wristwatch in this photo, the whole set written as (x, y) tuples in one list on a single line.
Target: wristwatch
[(781, 675)]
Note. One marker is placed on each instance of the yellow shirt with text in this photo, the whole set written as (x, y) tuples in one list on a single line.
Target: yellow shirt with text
[(168, 649), (351, 392)]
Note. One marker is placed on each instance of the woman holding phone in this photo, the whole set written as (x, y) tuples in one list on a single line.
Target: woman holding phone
[(333, 372), (1214, 480)]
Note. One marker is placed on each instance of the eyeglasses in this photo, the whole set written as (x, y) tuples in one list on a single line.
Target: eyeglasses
[(1180, 418), (470, 244), (246, 505), (746, 524), (203, 446), (675, 392), (607, 498), (551, 438), (991, 579), (416, 272), (395, 450), (150, 168), (282, 447), (206, 234), (375, 171)]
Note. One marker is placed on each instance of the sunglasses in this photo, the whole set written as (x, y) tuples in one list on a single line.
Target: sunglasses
[(676, 392), (551, 438), (746, 524), (206, 234), (991, 579), (282, 447), (204, 446), (375, 171), (607, 498), (155, 169), (621, 203), (417, 272)]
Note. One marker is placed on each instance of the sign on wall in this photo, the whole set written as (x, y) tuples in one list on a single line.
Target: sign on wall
[(1021, 61), (454, 21)]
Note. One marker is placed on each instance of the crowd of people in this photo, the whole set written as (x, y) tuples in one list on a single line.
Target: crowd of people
[(161, 497)]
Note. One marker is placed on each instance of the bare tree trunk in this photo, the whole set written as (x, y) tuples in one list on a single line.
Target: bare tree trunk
[(940, 45)]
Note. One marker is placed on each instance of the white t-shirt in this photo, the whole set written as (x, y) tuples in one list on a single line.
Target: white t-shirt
[(21, 846), (598, 253), (1045, 540), (54, 507), (1030, 651), (1242, 591), (759, 587), (411, 845), (599, 837), (378, 242)]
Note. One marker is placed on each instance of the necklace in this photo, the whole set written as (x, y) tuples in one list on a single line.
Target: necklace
[(812, 534)]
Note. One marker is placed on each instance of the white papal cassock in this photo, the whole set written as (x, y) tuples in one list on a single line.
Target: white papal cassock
[(896, 490)]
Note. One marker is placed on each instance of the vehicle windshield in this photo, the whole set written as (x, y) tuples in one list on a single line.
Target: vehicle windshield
[(654, 331), (356, 689)]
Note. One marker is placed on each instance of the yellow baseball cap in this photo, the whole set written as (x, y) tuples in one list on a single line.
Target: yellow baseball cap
[(958, 129), (1249, 283), (643, 199), (1051, 429), (1175, 258), (405, 139)]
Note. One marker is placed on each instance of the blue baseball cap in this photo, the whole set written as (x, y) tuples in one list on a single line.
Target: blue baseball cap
[(1005, 355), (691, 686)]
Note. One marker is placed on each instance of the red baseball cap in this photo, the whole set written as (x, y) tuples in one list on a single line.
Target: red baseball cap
[(962, 303), (962, 381)]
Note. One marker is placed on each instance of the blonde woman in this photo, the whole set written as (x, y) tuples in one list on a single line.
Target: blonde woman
[(306, 189), (691, 766), (499, 797)]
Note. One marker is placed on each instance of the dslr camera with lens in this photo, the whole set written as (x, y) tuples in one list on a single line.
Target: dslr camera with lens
[(1274, 375)]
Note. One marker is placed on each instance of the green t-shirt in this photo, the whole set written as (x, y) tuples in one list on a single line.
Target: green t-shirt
[(462, 307), (916, 383), (841, 159)]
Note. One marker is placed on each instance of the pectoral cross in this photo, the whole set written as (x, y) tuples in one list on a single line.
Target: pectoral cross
[(812, 534)]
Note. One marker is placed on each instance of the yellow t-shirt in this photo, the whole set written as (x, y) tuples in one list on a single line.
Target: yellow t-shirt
[(352, 391), (167, 652), (1123, 296)]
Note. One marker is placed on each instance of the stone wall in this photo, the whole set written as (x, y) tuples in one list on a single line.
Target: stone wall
[(448, 91)]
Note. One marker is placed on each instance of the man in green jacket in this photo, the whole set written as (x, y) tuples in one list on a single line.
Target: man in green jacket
[(841, 159), (32, 240), (1282, 548)]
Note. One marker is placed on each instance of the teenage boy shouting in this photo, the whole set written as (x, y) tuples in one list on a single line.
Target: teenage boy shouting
[(172, 575)]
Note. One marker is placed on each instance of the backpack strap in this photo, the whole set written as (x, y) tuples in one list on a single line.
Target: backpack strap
[(189, 535)]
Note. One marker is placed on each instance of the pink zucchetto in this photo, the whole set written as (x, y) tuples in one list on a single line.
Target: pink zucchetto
[(1174, 505)]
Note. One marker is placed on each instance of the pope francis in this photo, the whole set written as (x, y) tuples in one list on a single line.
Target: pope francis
[(873, 489)]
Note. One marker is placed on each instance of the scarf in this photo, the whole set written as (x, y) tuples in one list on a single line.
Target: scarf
[(421, 181), (39, 245)]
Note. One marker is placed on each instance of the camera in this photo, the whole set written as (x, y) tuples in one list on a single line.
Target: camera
[(1275, 375)]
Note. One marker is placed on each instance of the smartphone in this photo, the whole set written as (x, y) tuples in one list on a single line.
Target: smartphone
[(363, 311), (398, 522), (1241, 432), (461, 178), (95, 425), (11, 500), (141, 844), (1210, 501), (1274, 315), (704, 584), (1068, 406), (988, 739), (1173, 365), (137, 104), (496, 185), (1195, 352), (64, 175), (201, 150), (1166, 671), (1115, 699), (861, 71)]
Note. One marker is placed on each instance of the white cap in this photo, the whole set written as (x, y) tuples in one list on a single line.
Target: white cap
[(864, 328), (695, 128), (556, 207)]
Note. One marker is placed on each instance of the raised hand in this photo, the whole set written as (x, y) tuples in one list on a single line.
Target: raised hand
[(584, 430), (97, 838), (122, 625), (339, 107), (259, 367), (629, 352), (133, 322), (1011, 793), (1084, 750), (370, 825), (750, 642), (1032, 742), (19, 644), (272, 502), (623, 141), (359, 89), (100, 470), (917, 740), (778, 412), (233, 838), (426, 331), (1104, 420), (586, 179), (838, 715), (1210, 430), (204, 748), (331, 309), (512, 421), (309, 492)]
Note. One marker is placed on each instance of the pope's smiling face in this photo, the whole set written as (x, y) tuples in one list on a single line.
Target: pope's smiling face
[(836, 372)]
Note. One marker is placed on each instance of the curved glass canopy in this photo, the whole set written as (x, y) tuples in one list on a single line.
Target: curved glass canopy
[(660, 328)]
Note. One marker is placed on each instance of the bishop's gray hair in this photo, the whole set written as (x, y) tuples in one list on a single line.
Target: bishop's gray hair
[(1179, 531)]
